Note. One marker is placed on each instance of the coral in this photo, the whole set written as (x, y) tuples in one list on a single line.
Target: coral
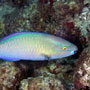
[(63, 70), (5, 9), (2, 27), (62, 19), (82, 73), (43, 2), (11, 74), (69, 19), (82, 22), (71, 31), (37, 83), (20, 3), (21, 22)]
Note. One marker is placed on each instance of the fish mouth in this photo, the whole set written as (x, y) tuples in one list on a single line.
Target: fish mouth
[(74, 51)]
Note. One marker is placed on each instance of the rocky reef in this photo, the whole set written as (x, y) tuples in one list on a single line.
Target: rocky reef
[(82, 73), (41, 82), (69, 19), (11, 74)]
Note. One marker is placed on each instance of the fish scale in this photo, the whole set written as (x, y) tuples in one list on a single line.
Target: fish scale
[(34, 46)]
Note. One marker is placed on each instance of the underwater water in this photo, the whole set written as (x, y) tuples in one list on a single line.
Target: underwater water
[(44, 44)]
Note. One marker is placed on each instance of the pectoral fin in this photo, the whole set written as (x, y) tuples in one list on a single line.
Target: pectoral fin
[(47, 57)]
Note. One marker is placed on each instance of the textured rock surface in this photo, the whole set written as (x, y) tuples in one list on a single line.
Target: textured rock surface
[(63, 69), (41, 83), (69, 19), (11, 74), (82, 74)]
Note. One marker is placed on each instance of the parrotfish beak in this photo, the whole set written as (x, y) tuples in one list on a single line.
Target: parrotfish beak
[(74, 50)]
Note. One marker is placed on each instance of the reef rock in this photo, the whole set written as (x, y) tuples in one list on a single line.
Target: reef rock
[(41, 83), (82, 74), (11, 75)]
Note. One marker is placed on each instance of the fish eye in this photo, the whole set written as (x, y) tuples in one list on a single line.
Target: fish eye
[(64, 48)]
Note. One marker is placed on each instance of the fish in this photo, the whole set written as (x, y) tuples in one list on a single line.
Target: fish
[(35, 46)]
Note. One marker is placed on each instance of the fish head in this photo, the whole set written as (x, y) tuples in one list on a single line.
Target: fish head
[(64, 48), (68, 49)]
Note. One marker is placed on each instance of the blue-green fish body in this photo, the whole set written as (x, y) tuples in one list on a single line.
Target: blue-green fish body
[(34, 46)]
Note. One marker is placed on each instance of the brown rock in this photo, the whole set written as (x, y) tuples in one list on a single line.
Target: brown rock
[(41, 83), (82, 74), (11, 75)]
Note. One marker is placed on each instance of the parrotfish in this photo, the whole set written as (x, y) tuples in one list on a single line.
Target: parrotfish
[(35, 46)]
